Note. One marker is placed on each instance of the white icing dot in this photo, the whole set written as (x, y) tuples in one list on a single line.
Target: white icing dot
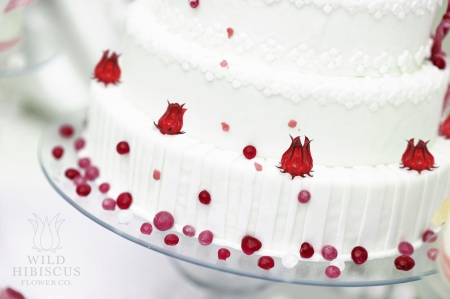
[(209, 76), (124, 216), (289, 260)]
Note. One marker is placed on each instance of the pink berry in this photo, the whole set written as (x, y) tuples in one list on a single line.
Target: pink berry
[(249, 152), (250, 245), (156, 175), (124, 200), (292, 123), (123, 148), (258, 167), (189, 230), (230, 32), (225, 126), (224, 63), (359, 255), (429, 236), (72, 173), (194, 3), (266, 262), (405, 248), (58, 152), (146, 228), (223, 254), (84, 162), (171, 240), (306, 250), (205, 237), (109, 204), (404, 263), (83, 190), (104, 188), (163, 221), (204, 197), (304, 196), (66, 131), (79, 143), (92, 173), (332, 272), (432, 253), (79, 180), (329, 252)]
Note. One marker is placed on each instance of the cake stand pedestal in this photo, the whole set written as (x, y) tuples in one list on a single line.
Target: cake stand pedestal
[(233, 276)]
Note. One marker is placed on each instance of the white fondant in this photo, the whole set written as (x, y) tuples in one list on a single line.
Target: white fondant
[(374, 207)]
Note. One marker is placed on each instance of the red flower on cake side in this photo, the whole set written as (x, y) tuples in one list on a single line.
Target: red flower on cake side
[(297, 160), (417, 157), (171, 122), (438, 56), (107, 69)]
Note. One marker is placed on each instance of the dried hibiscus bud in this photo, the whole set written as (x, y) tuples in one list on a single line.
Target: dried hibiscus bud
[(107, 69), (171, 122), (417, 157), (297, 160)]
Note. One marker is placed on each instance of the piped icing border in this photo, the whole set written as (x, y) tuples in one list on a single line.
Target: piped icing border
[(349, 92)]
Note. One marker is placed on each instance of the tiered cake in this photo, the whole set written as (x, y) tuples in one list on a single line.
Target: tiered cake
[(352, 76)]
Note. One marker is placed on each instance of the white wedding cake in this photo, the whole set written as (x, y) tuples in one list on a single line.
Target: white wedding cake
[(352, 78)]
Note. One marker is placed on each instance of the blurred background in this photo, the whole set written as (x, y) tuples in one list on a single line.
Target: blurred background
[(46, 76)]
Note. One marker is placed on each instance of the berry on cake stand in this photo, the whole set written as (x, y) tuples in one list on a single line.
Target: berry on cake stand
[(66, 168)]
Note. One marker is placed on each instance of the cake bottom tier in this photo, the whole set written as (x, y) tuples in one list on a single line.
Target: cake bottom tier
[(374, 207)]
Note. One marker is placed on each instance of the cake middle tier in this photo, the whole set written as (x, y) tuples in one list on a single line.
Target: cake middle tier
[(351, 120)]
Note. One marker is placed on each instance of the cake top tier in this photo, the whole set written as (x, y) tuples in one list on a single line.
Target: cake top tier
[(332, 37)]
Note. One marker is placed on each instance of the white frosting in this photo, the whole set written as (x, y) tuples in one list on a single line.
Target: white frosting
[(355, 40), (11, 25), (374, 207)]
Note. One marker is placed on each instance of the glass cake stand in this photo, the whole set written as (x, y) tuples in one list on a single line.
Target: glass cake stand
[(188, 252)]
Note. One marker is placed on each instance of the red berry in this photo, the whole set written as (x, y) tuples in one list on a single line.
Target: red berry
[(250, 245), (405, 248), (83, 190), (146, 228), (292, 123), (230, 32), (223, 254), (432, 253), (72, 173), (225, 126), (92, 173), (359, 255), (204, 197), (429, 236), (163, 221), (66, 131), (171, 240), (205, 237), (58, 152), (249, 152), (306, 250), (266, 262), (224, 63), (304, 196), (109, 204), (332, 272), (123, 148), (189, 231), (194, 3), (329, 252), (258, 167), (156, 175), (79, 180), (404, 263), (79, 143), (84, 162), (124, 200), (104, 188)]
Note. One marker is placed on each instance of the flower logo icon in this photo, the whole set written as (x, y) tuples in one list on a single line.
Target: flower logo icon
[(46, 234)]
